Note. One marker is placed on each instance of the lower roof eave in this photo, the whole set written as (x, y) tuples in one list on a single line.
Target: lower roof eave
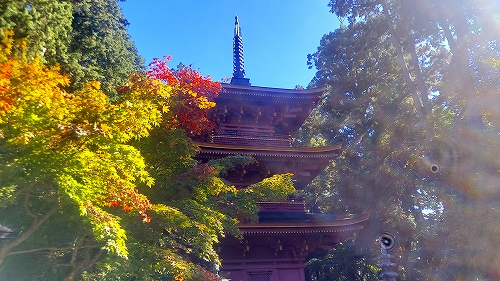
[(337, 226), (328, 152)]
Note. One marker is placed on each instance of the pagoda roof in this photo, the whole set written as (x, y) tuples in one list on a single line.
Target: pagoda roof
[(257, 91), (326, 152), (284, 109), (303, 223), (304, 162)]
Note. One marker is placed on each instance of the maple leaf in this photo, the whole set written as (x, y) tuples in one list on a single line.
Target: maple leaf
[(192, 96)]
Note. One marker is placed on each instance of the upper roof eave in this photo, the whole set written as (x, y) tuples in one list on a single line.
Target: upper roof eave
[(258, 90)]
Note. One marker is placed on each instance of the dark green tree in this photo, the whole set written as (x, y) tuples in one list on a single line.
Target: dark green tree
[(100, 48), (400, 97), (88, 38), (43, 26), (341, 263)]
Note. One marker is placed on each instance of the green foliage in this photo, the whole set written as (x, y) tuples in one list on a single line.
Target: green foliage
[(69, 158), (59, 243), (43, 26), (275, 188), (100, 49), (342, 263), (172, 153), (410, 87), (226, 164)]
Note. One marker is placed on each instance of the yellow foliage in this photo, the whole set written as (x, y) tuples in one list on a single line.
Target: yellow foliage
[(78, 139)]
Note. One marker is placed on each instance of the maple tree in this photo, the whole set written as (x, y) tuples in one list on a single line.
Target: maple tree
[(73, 145), (191, 95), (109, 190), (70, 143)]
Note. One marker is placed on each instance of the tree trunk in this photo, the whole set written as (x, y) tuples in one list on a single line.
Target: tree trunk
[(409, 82), (78, 268), (424, 91)]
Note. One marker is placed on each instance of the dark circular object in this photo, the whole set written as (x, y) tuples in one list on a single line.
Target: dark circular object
[(387, 241), (434, 168)]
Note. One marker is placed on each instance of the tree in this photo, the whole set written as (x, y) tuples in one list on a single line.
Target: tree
[(421, 33), (100, 48), (44, 27), (341, 263), (374, 119), (398, 99), (87, 38), (59, 152)]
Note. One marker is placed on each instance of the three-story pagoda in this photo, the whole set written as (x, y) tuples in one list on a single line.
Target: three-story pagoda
[(260, 121)]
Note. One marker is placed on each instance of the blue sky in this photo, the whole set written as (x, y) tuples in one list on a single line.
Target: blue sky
[(277, 35)]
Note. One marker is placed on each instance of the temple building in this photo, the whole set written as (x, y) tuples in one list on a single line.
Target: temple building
[(261, 121)]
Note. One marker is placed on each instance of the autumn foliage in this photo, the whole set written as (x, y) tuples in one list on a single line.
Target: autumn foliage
[(183, 94), (79, 157), (78, 141)]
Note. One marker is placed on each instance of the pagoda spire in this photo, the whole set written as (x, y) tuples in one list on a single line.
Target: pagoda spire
[(238, 61)]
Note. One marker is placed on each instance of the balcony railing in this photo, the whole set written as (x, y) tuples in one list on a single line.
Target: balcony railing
[(248, 135)]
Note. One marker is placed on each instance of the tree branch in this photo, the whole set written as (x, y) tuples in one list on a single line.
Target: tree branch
[(83, 265), (445, 27), (15, 194), (34, 226), (48, 249), (26, 207)]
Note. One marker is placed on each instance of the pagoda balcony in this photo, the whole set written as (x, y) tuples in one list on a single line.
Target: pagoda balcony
[(251, 140), (249, 136), (291, 205)]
